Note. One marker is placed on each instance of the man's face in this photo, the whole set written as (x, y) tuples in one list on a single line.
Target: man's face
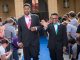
[(54, 18), (27, 10)]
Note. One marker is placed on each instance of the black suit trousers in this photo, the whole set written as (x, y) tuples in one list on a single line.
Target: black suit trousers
[(30, 52), (56, 53)]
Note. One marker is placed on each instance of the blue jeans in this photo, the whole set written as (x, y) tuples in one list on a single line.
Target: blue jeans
[(8, 49), (15, 55)]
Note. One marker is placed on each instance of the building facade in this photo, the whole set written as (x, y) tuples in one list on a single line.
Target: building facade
[(44, 7)]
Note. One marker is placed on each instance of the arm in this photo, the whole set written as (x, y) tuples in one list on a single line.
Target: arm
[(44, 24), (20, 44), (65, 39), (78, 31), (38, 27), (37, 22), (13, 32), (19, 31), (6, 55)]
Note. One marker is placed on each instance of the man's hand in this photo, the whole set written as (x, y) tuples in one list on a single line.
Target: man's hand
[(44, 23), (33, 28), (6, 56), (20, 44), (50, 21), (64, 49)]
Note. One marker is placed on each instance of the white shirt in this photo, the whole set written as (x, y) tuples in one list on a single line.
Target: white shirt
[(79, 56), (72, 30), (2, 50), (27, 19), (74, 22), (56, 27)]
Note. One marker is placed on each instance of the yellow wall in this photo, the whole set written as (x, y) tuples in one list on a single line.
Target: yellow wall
[(52, 6), (11, 9), (16, 7), (73, 6), (77, 6)]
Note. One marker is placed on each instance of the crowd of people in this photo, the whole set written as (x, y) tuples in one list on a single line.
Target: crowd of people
[(9, 39), (63, 35)]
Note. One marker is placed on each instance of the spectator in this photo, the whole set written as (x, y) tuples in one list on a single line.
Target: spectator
[(9, 33), (76, 46), (73, 19), (3, 54), (76, 50), (15, 48)]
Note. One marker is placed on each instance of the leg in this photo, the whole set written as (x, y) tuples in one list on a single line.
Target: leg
[(59, 53), (52, 54), (15, 55), (34, 52), (26, 52)]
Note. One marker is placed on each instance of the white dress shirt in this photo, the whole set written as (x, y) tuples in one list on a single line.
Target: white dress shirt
[(27, 18)]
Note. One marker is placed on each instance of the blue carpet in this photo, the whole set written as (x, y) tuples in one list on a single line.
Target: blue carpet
[(44, 53)]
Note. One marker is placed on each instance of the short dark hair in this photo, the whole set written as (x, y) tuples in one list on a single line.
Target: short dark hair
[(54, 14), (10, 20), (4, 41), (78, 15), (0, 19), (27, 4), (72, 14)]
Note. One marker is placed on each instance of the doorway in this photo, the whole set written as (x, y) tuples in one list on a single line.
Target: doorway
[(42, 8)]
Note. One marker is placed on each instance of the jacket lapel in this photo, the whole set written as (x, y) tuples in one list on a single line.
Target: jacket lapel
[(32, 20), (24, 22), (53, 29), (58, 29)]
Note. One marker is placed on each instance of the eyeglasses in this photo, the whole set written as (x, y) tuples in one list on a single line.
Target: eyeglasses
[(53, 18)]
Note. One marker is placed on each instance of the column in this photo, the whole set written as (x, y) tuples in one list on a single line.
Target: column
[(18, 8), (52, 6)]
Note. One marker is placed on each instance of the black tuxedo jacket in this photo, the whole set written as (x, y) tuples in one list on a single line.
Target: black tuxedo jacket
[(59, 39), (26, 36)]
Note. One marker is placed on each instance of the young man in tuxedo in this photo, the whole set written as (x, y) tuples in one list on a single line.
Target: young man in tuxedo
[(57, 37), (28, 33)]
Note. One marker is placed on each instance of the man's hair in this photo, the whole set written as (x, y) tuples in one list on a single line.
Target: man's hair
[(4, 41), (27, 4), (54, 14)]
